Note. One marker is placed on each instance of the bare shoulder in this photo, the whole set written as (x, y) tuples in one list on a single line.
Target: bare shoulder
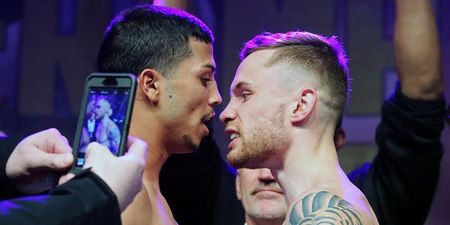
[(324, 207)]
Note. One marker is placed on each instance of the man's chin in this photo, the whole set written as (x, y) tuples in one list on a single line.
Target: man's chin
[(191, 145), (238, 161), (249, 160)]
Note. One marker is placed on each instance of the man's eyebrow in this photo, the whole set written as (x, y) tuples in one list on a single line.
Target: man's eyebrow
[(240, 85), (210, 66)]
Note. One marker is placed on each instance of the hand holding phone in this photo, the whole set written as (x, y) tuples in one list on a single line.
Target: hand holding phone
[(105, 113)]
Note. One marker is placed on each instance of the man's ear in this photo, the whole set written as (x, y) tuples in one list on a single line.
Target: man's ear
[(149, 85), (303, 106)]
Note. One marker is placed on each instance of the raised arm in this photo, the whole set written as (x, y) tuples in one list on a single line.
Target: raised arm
[(417, 50), (403, 177)]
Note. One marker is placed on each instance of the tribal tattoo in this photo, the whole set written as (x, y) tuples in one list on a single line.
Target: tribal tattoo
[(324, 208)]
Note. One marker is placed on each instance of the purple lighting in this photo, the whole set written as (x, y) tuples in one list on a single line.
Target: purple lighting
[(67, 17), (7, 206)]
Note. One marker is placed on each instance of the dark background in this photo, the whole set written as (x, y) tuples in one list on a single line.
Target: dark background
[(48, 47)]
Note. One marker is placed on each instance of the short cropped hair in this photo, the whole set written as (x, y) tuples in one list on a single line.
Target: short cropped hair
[(149, 36), (321, 55)]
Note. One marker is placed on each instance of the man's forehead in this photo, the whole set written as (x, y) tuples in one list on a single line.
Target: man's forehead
[(241, 82), (201, 58), (253, 76)]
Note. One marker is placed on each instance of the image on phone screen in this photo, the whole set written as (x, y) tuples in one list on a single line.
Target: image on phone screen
[(104, 120)]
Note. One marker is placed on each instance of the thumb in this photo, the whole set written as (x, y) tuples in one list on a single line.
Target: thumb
[(95, 153), (53, 161), (137, 147)]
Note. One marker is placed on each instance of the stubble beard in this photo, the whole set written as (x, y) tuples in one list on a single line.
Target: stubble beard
[(261, 143), (276, 211), (190, 145)]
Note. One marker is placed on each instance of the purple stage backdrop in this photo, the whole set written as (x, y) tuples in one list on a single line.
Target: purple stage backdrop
[(47, 48)]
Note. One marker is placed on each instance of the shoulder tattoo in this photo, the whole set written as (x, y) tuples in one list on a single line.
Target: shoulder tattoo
[(324, 208)]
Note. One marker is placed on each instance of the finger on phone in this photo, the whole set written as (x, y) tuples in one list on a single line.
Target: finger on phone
[(137, 147)]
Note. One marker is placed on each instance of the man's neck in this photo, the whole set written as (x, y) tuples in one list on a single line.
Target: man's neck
[(308, 166), (145, 128)]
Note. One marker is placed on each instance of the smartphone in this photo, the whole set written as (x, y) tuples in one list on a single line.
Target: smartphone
[(105, 113)]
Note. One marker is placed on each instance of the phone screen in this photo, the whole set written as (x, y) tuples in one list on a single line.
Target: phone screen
[(104, 119)]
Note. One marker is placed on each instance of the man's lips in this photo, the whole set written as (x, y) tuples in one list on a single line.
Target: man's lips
[(207, 121), (267, 189), (206, 127), (232, 132), (234, 135), (267, 193)]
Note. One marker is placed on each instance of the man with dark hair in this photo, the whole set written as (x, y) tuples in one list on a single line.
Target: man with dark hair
[(170, 51)]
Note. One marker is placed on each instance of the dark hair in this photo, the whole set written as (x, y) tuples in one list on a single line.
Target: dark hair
[(323, 56), (148, 36)]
